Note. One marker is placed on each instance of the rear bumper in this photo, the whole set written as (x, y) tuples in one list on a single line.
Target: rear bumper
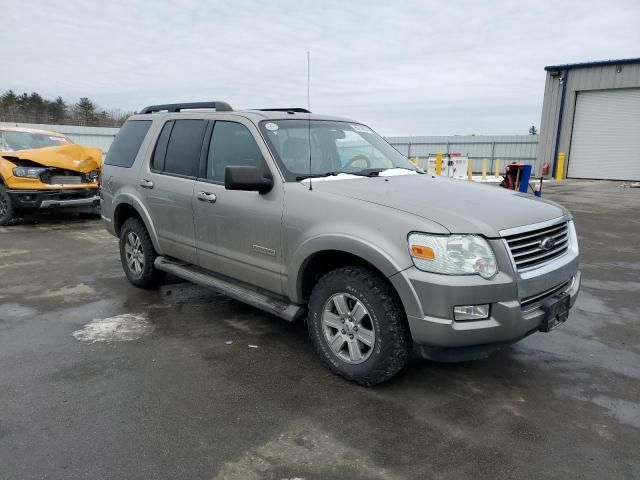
[(44, 199)]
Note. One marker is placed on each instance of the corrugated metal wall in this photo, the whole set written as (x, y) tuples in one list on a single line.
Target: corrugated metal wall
[(100, 137), (602, 77), (507, 148)]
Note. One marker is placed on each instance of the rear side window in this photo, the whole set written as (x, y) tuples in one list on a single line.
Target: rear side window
[(231, 144), (181, 154), (124, 149), (160, 152)]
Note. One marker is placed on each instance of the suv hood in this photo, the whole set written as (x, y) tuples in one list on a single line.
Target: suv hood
[(458, 205), (70, 157)]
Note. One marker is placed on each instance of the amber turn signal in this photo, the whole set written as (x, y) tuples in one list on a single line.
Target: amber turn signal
[(420, 251)]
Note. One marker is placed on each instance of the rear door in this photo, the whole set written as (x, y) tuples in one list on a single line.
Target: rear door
[(238, 233), (167, 184)]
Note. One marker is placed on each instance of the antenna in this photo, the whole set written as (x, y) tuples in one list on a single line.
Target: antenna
[(309, 116)]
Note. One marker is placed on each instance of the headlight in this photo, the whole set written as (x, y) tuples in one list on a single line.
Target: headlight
[(28, 172), (453, 254)]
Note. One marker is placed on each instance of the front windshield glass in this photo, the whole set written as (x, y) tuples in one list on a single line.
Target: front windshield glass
[(11, 140), (336, 147)]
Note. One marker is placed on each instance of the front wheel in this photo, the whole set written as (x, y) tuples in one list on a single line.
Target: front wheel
[(357, 325), (137, 254), (6, 207)]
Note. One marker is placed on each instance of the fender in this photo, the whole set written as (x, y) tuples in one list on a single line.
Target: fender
[(359, 247), (129, 199)]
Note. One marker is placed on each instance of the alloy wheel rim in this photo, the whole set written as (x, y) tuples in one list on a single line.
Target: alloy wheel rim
[(134, 253), (348, 328)]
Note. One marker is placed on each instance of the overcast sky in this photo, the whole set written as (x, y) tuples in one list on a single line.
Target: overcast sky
[(403, 67)]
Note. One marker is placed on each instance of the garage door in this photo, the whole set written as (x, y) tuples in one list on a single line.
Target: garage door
[(606, 135)]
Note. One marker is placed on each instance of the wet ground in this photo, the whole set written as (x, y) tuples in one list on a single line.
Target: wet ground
[(99, 379)]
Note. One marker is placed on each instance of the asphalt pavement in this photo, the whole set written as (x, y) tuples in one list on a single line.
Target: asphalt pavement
[(101, 380)]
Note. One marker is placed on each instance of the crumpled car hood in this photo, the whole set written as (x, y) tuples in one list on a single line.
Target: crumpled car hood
[(71, 157)]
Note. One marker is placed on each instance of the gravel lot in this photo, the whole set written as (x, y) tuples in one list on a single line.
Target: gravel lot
[(101, 380)]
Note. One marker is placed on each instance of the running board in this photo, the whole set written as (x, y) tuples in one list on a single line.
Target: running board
[(270, 304)]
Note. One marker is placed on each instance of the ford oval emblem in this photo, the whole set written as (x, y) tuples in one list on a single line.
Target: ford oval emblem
[(547, 243)]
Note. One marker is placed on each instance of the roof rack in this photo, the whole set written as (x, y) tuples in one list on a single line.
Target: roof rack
[(177, 107), (293, 109)]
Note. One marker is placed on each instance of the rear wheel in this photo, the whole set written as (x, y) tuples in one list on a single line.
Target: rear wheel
[(6, 206), (137, 255), (358, 326)]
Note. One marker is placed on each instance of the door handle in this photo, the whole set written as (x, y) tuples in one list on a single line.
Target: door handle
[(146, 184), (206, 197)]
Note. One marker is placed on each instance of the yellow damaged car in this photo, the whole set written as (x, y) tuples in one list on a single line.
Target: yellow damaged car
[(42, 170)]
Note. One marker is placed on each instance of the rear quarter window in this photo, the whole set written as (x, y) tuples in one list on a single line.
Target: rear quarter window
[(124, 149)]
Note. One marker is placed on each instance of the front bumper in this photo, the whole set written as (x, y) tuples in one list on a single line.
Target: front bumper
[(43, 199), (516, 306), (508, 323)]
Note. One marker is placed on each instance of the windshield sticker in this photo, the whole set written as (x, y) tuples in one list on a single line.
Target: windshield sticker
[(361, 128), (271, 126)]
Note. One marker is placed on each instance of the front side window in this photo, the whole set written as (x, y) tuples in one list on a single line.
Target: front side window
[(319, 147), (179, 147), (232, 144)]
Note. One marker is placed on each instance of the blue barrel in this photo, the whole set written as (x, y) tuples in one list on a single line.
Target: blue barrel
[(524, 178)]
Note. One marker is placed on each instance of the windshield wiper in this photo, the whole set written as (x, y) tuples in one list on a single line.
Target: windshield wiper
[(317, 175), (368, 172), (375, 172)]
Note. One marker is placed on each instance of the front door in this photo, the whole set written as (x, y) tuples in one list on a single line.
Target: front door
[(238, 233)]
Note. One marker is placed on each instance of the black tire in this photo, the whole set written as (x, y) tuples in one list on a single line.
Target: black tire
[(147, 276), (392, 342), (7, 211)]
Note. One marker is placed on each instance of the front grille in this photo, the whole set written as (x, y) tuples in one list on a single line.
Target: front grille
[(66, 180), (61, 176), (526, 247), (535, 301)]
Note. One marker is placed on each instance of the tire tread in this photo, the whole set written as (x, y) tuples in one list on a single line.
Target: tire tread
[(398, 345)]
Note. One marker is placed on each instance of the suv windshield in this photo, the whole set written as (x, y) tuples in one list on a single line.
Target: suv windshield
[(336, 147), (11, 140)]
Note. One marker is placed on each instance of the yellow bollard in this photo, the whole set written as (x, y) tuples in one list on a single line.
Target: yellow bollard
[(438, 163), (560, 167), (497, 167), (484, 169), (470, 170)]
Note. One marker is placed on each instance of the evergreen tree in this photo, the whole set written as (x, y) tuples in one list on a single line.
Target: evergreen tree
[(86, 111), (33, 108)]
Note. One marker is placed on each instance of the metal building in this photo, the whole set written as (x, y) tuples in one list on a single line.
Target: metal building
[(591, 113), (506, 148)]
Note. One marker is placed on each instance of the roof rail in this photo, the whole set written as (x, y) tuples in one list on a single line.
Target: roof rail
[(176, 107), (293, 109)]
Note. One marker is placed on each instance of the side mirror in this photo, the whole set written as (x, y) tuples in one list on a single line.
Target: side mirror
[(252, 179)]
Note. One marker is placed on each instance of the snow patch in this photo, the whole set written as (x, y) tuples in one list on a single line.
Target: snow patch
[(121, 328)]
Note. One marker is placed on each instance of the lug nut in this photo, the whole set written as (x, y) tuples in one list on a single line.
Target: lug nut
[(351, 336), (342, 320), (355, 329), (343, 331)]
